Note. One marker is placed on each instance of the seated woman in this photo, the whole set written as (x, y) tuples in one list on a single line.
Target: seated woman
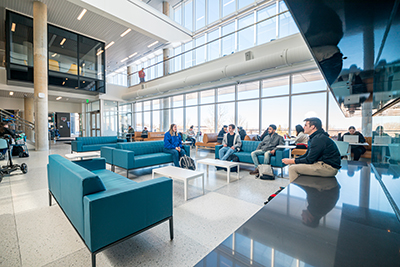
[(173, 144), (191, 135), (356, 150), (301, 139)]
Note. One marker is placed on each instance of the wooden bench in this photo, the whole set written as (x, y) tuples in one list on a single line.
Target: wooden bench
[(154, 136)]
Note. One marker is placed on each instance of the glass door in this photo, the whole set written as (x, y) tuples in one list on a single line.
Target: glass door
[(95, 123)]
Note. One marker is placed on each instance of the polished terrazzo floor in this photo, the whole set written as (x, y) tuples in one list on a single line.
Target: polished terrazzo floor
[(34, 234)]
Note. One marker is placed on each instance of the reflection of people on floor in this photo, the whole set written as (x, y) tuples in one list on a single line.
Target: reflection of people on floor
[(322, 196), (356, 150), (380, 141)]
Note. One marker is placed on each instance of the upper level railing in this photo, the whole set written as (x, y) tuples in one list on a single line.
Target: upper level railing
[(256, 27)]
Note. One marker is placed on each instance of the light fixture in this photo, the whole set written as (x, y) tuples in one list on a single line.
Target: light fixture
[(13, 25), (125, 59), (82, 14), (83, 81), (110, 44), (63, 82), (53, 55), (83, 64), (99, 52), (58, 98), (134, 54), (11, 93), (66, 78), (63, 41), (125, 32), (150, 45)]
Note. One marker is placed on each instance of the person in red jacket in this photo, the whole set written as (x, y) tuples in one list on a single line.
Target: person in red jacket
[(142, 75)]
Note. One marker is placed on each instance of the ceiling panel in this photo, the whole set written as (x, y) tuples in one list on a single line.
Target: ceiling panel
[(64, 14)]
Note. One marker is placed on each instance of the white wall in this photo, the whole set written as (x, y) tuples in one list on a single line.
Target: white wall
[(54, 106), (11, 103)]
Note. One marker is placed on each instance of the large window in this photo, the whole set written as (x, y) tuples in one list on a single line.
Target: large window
[(248, 116), (200, 14), (266, 30), (110, 118), (156, 127), (225, 114), (213, 47), (191, 117), (200, 50), (275, 111), (228, 7), (308, 82), (207, 123), (228, 42), (178, 118), (188, 14), (248, 90), (212, 11), (188, 56), (207, 96), (246, 36), (226, 94), (177, 60), (191, 99), (275, 86)]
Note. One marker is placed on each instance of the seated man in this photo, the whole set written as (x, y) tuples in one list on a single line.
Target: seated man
[(267, 147), (231, 143), (130, 134), (322, 157), (145, 133), (242, 132), (356, 150), (221, 134)]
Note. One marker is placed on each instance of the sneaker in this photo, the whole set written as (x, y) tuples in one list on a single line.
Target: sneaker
[(255, 172)]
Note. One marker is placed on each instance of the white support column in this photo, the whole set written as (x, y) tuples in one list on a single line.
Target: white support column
[(40, 75)]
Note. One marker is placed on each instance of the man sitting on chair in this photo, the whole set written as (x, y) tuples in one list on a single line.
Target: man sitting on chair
[(267, 147), (322, 157)]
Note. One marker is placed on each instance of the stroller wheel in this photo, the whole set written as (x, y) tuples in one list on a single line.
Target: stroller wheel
[(24, 168)]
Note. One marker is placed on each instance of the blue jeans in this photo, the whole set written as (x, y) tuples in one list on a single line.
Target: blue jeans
[(225, 152), (176, 155), (141, 80)]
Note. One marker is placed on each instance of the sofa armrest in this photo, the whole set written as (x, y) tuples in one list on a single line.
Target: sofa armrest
[(121, 140), (107, 153), (92, 164), (217, 148), (114, 214), (280, 154), (124, 158), (187, 150), (77, 146)]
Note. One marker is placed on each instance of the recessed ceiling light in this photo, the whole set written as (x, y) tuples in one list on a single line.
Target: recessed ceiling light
[(82, 14), (13, 27), (99, 52), (53, 55), (150, 45), (63, 41), (83, 64), (11, 93), (58, 98), (125, 32), (63, 82), (125, 59), (83, 81), (110, 44), (66, 78), (134, 54)]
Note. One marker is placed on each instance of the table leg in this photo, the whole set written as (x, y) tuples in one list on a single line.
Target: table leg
[(238, 171), (202, 182), (207, 170), (152, 174), (228, 173), (290, 153), (349, 153), (185, 189)]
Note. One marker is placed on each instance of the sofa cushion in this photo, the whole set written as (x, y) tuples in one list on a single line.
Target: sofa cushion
[(112, 180), (152, 159), (143, 148), (97, 146), (245, 157), (97, 140), (249, 146)]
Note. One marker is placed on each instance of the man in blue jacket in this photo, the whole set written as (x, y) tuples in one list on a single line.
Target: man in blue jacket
[(173, 144), (322, 157)]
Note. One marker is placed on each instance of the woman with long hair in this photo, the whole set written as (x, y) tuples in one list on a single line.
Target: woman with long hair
[(301, 139), (173, 144)]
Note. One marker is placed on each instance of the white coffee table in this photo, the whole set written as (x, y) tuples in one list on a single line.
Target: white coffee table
[(221, 163), (82, 155), (180, 174)]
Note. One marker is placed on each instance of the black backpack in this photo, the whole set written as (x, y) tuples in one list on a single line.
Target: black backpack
[(187, 163)]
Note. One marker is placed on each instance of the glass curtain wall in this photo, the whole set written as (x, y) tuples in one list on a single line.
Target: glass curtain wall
[(110, 118), (284, 101)]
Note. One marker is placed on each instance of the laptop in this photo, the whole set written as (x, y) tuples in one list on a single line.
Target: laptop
[(382, 140), (352, 139)]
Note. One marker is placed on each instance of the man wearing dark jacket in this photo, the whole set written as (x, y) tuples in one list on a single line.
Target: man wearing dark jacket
[(322, 157), (267, 147)]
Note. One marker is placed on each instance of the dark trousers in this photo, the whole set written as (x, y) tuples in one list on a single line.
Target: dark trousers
[(176, 155), (192, 140), (358, 151)]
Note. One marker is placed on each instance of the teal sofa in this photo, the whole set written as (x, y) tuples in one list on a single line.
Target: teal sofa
[(138, 155), (85, 144), (244, 154), (104, 207)]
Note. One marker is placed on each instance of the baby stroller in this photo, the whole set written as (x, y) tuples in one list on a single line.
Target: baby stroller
[(5, 143)]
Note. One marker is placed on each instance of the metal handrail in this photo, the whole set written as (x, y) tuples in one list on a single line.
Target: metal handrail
[(17, 119)]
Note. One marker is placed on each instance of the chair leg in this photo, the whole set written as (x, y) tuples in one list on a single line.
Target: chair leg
[(281, 172), (171, 228), (93, 255), (127, 173), (49, 198)]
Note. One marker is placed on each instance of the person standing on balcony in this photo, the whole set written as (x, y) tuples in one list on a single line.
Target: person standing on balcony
[(141, 75)]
